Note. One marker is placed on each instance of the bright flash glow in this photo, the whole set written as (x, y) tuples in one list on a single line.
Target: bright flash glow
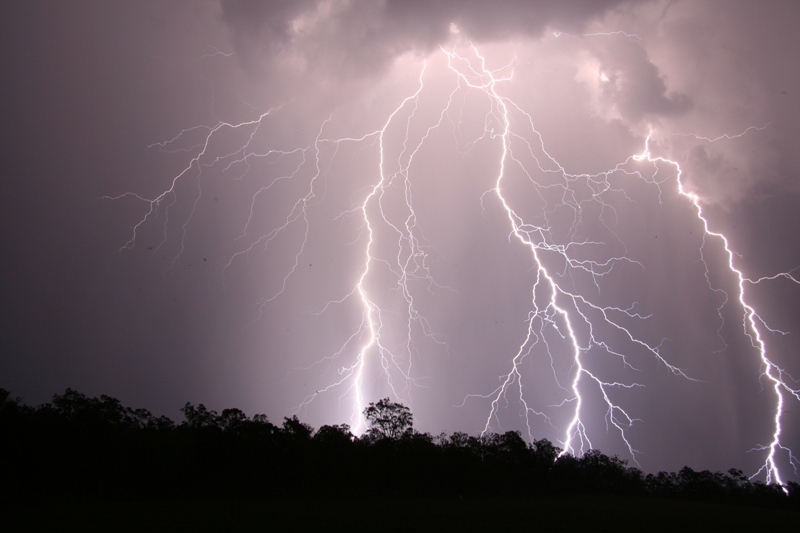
[(570, 322)]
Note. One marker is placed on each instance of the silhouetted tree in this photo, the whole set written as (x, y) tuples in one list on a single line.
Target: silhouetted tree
[(6, 401), (388, 419), (294, 429), (199, 417), (78, 447), (336, 435), (232, 420)]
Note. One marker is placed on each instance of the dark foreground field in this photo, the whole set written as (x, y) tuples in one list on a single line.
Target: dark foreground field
[(91, 464), (585, 513)]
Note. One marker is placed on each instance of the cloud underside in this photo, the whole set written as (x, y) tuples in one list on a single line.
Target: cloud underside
[(361, 37)]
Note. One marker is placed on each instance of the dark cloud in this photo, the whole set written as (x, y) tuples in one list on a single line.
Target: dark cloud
[(361, 37), (263, 28), (487, 21), (633, 85), (731, 63)]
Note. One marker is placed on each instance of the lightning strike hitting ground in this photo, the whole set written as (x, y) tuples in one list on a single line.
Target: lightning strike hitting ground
[(560, 303), (752, 324), (572, 323)]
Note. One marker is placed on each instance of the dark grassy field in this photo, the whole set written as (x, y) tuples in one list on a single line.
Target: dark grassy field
[(585, 513)]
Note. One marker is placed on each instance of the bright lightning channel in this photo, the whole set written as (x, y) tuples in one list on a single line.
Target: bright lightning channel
[(557, 307), (570, 306), (560, 302), (752, 324)]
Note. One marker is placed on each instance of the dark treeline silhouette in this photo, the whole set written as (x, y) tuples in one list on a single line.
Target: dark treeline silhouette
[(77, 447)]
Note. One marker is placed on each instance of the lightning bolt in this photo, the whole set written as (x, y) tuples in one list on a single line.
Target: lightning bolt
[(572, 308), (753, 325), (553, 304), (569, 312), (410, 263)]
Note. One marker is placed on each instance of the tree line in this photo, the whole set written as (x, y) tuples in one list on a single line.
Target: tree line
[(76, 447)]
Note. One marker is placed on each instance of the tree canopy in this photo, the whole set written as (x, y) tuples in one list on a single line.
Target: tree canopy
[(81, 447), (388, 419)]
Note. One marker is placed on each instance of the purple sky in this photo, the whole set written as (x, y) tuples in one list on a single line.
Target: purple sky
[(239, 282)]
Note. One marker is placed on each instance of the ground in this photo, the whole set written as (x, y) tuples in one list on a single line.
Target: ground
[(585, 513)]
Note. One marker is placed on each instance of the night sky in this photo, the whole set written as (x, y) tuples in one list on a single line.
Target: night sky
[(303, 207)]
